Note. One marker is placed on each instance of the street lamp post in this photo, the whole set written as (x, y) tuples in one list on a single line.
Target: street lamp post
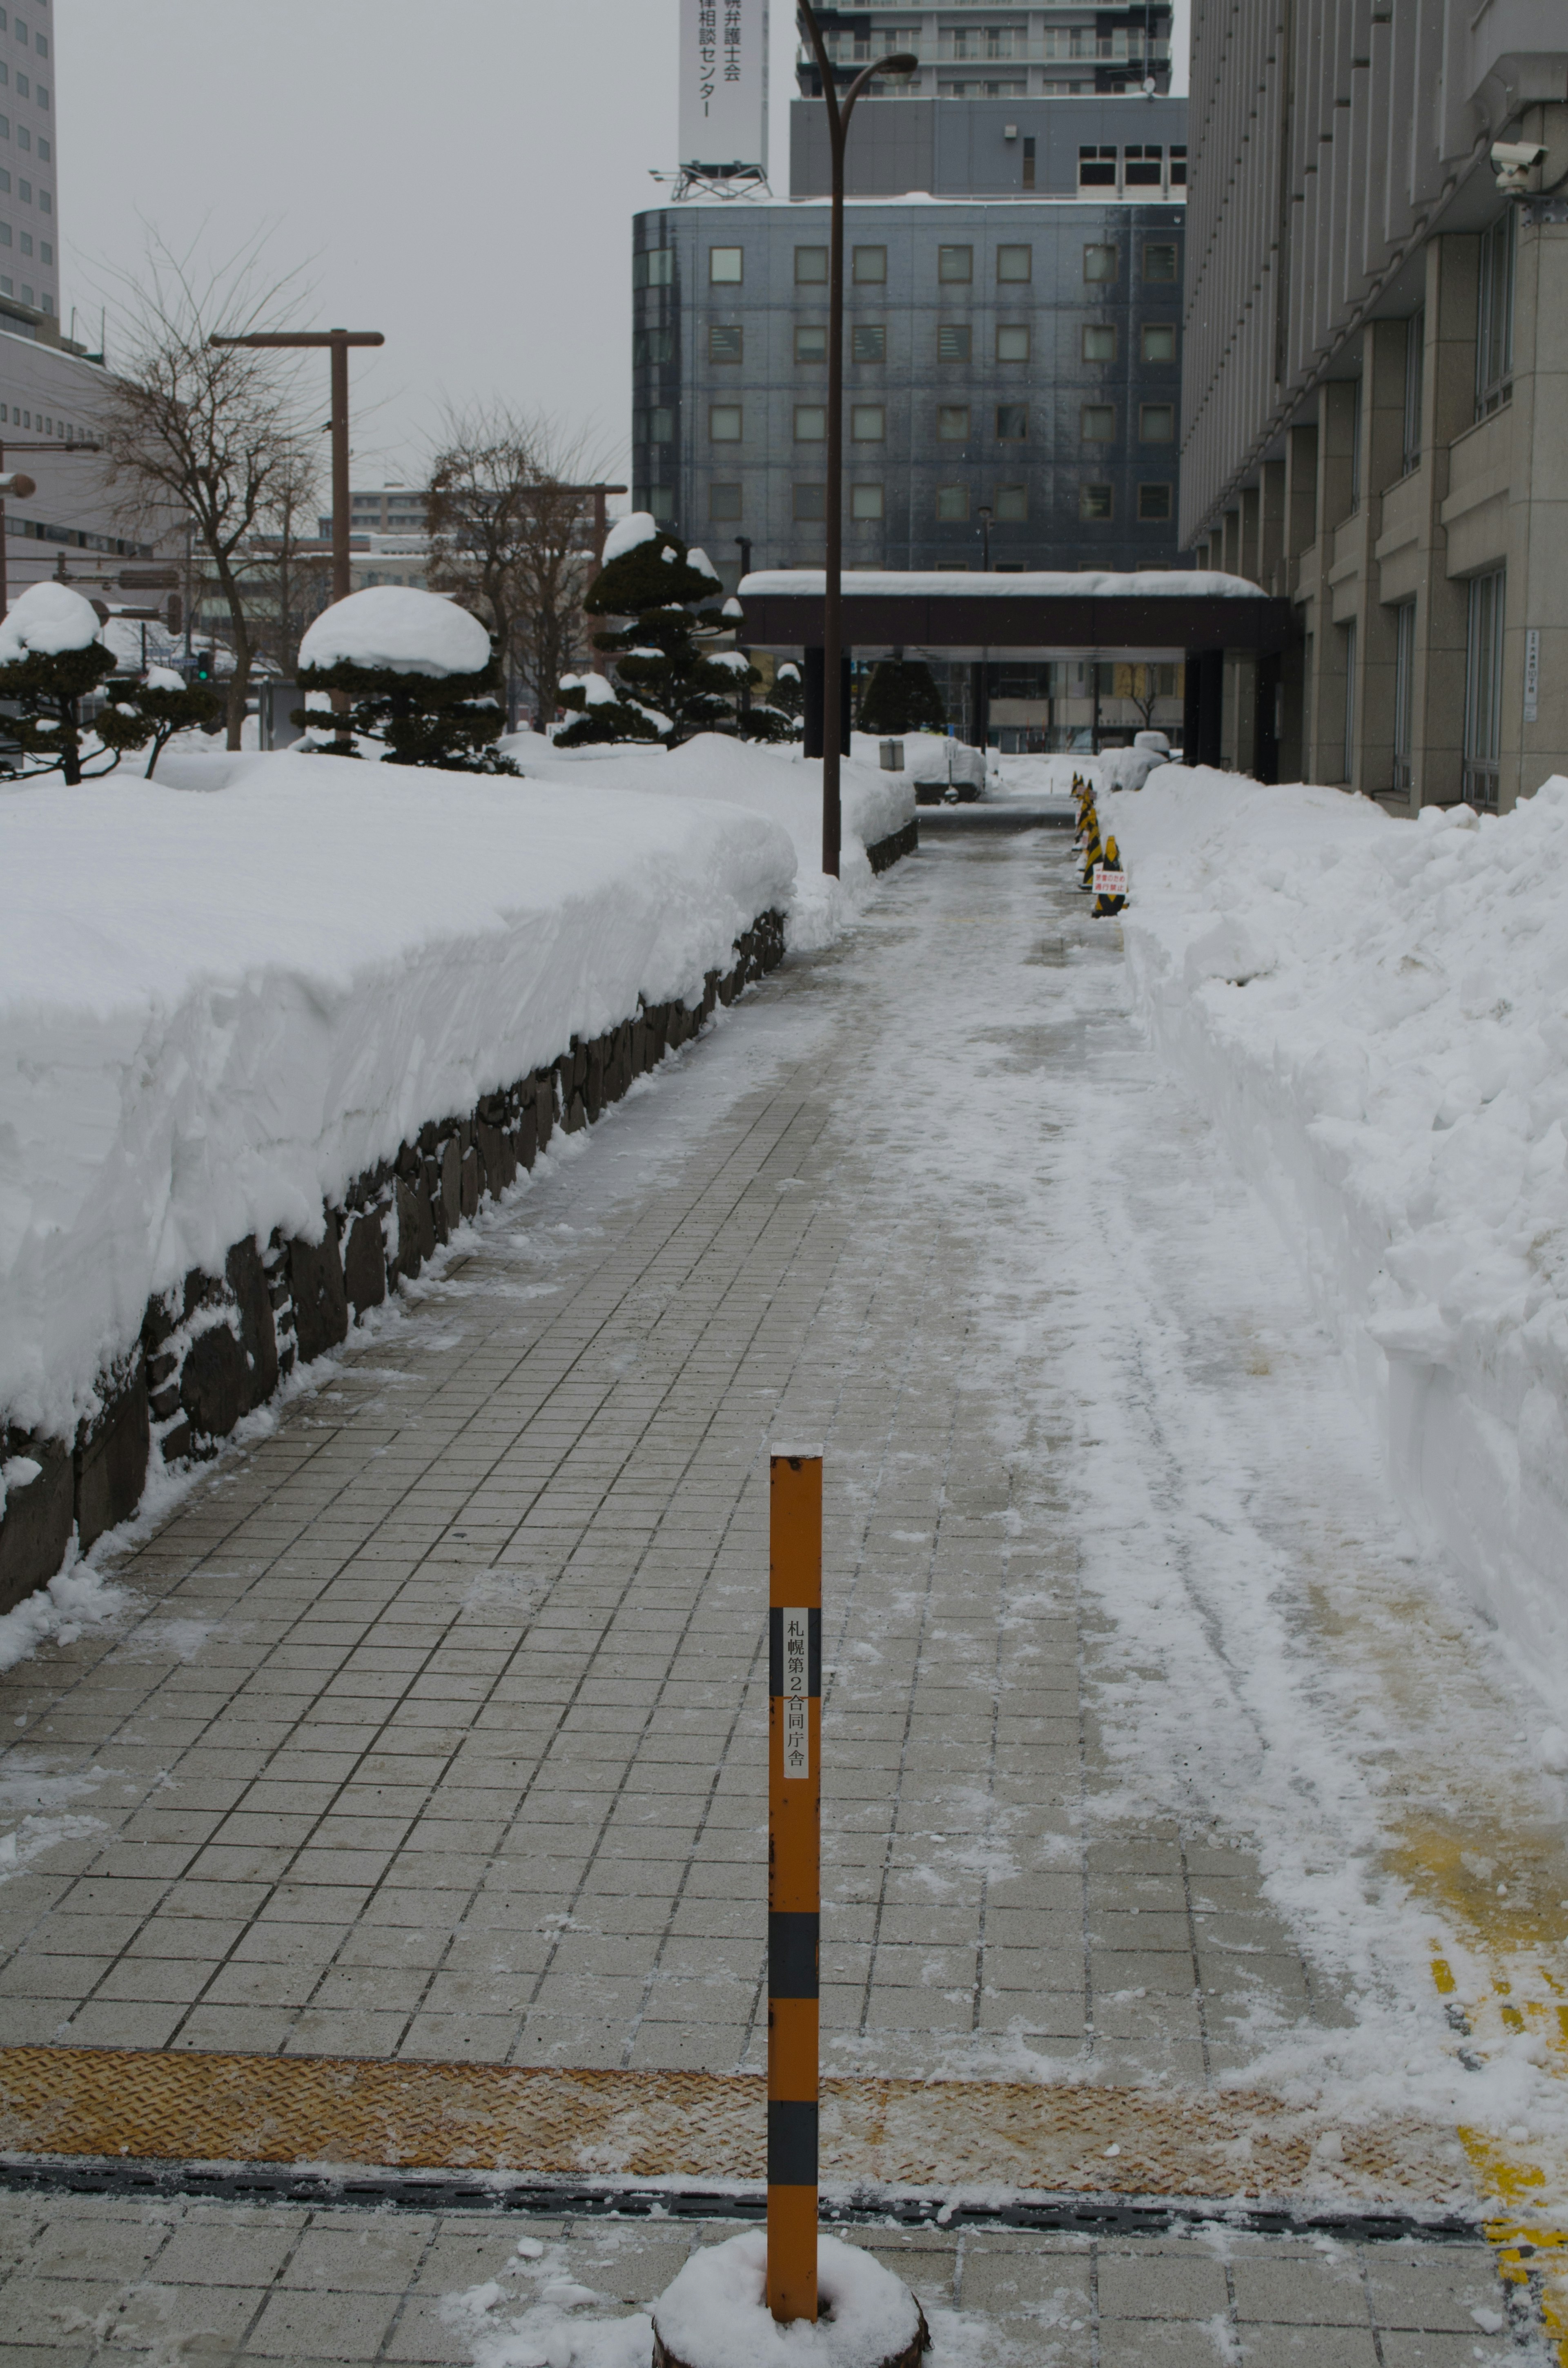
[(839, 114)]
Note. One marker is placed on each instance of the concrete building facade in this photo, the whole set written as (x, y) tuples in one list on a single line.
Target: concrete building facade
[(1376, 379)]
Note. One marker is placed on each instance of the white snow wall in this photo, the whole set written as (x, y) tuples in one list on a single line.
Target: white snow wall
[(1369, 1011), (261, 1049)]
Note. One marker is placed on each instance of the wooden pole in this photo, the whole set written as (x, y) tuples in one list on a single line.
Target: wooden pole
[(794, 1875)]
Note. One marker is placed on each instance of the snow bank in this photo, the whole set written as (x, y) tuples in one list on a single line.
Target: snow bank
[(1055, 584), (394, 625), (217, 1010), (775, 782), (1376, 1016), (714, 2314), (45, 621)]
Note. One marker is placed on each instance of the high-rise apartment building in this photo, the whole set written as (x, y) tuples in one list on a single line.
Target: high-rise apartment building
[(29, 224), (1375, 381), (973, 49)]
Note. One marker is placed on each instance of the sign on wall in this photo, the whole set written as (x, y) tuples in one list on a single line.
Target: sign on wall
[(724, 83)]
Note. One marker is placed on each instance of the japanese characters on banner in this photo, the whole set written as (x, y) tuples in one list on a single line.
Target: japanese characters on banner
[(724, 83), (797, 1693)]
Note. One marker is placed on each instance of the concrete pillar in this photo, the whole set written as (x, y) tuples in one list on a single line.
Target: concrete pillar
[(1538, 525), (1443, 607), (1382, 453), (1232, 542), (1248, 560), (1300, 490)]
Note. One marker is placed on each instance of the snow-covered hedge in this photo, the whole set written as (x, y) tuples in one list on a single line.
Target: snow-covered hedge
[(225, 994), (1374, 1012)]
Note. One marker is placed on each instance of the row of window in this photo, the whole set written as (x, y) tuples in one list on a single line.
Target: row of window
[(40, 41), (25, 139), (1097, 423), (24, 89), (654, 267), (45, 424), (1009, 505), (44, 304), (1099, 341), (25, 242)]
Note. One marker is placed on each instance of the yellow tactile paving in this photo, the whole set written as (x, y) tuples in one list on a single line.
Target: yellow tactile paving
[(1080, 2138)]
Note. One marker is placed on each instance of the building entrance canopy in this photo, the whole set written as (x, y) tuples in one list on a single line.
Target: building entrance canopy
[(1189, 616)]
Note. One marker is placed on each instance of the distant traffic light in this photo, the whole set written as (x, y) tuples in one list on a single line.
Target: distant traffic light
[(203, 666)]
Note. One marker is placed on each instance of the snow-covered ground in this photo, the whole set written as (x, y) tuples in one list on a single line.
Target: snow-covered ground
[(1372, 1014), (778, 782), (225, 993)]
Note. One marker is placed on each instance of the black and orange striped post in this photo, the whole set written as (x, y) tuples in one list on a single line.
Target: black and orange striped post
[(794, 1875)]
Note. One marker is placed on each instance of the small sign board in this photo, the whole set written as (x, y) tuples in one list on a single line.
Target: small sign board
[(797, 1694), (1532, 675), (1109, 883), (724, 83)]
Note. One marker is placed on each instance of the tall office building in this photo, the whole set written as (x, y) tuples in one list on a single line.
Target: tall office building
[(1375, 381), (1012, 348), (30, 228)]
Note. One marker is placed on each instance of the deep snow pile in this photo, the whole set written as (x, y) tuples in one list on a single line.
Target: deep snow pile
[(216, 1010), (776, 782), (1374, 1013), (397, 626)]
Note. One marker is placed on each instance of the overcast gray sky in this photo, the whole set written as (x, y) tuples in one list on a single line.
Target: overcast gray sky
[(458, 174)]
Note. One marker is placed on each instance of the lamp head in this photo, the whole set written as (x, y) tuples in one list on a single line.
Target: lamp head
[(901, 64)]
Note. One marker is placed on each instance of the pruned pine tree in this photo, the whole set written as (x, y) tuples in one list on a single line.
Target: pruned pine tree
[(50, 660), (665, 661), (902, 696), (168, 704), (420, 675)]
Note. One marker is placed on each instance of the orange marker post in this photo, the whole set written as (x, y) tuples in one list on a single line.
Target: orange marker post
[(794, 1875)]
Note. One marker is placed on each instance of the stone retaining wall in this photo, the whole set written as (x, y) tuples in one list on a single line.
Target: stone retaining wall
[(217, 1348)]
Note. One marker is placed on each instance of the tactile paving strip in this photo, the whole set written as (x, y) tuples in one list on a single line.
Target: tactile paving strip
[(694, 2125)]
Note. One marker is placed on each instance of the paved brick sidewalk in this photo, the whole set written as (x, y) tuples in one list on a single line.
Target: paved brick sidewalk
[(441, 1733), (93, 2281)]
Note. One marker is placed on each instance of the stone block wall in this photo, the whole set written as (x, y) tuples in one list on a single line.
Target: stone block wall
[(216, 1348)]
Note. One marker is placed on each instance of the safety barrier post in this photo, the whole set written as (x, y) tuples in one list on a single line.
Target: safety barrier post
[(794, 1875)]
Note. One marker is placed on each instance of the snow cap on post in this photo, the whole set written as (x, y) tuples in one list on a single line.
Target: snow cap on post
[(48, 620), (396, 628)]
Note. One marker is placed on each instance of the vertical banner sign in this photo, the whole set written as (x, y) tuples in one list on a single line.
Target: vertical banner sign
[(1532, 675), (794, 1874), (724, 83)]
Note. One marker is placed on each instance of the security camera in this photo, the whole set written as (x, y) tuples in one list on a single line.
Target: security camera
[(1514, 160)]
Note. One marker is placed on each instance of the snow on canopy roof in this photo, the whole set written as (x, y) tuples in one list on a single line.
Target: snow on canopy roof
[(45, 621), (628, 532), (392, 625), (1171, 583)]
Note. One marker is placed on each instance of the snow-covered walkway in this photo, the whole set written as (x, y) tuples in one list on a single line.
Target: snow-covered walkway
[(432, 1725)]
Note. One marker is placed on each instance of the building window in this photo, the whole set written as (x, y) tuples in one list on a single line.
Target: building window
[(955, 264), (865, 502), (1100, 263), (725, 345), (654, 268), (811, 423), (1097, 423), (1494, 314), (811, 267), (1012, 422), (661, 426), (724, 501), (952, 503), (725, 266), (1012, 505), (27, 242), (1161, 263), (1096, 502), (1347, 762), (1153, 504), (1159, 341), (952, 422), (868, 266), (1013, 342), (1029, 163), (725, 423), (1484, 690), (1179, 168), (1403, 694), (1014, 262), (661, 502), (1099, 342), (952, 341), (1414, 374), (652, 345), (1156, 422), (869, 342), (868, 423), (810, 503), (1142, 168), (811, 344), (1097, 168)]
